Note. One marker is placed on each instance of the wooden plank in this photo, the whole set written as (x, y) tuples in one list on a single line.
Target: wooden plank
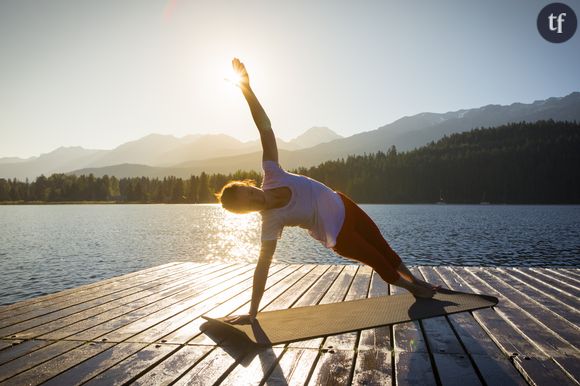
[(224, 358), (535, 321), (297, 290), (453, 364), (166, 371), (258, 364), (131, 367), (50, 368), (8, 343), (114, 356), (560, 318), (253, 367), (374, 358), (538, 368), (542, 287), (138, 311), (564, 275), (82, 371), (504, 334), (498, 371), (26, 302), (28, 361), (160, 331), (211, 367), (70, 324), (570, 272), (232, 362), (336, 358), (7, 309), (525, 314), (293, 368), (120, 312), (412, 361), (298, 358), (22, 348), (28, 327), (190, 332), (373, 367), (363, 358), (378, 338), (80, 301), (413, 368), (50, 322), (320, 289), (77, 324), (553, 281), (295, 365), (182, 308), (359, 289), (492, 365)]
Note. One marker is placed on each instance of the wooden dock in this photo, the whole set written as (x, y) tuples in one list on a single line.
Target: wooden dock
[(144, 328)]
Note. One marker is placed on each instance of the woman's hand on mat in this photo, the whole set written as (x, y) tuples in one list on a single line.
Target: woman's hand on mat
[(240, 70), (241, 319)]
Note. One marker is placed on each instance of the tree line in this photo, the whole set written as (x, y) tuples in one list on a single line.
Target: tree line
[(518, 163), (71, 188)]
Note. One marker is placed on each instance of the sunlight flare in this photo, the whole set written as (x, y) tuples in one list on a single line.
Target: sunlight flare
[(234, 237), (233, 77)]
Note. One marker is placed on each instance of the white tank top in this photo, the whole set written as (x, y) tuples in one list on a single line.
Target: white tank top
[(313, 206)]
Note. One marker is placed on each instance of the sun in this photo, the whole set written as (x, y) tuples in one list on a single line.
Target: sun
[(233, 77)]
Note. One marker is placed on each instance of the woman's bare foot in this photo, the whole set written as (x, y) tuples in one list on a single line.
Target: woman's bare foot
[(418, 291), (426, 284)]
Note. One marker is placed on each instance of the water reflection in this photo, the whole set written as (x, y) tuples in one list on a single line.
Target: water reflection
[(233, 237), (44, 249)]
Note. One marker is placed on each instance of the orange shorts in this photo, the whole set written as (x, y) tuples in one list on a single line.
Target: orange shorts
[(360, 239)]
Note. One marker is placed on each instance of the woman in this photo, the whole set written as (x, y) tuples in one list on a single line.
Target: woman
[(287, 199)]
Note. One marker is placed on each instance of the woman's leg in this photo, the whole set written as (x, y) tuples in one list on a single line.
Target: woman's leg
[(352, 245), (371, 232), (358, 223)]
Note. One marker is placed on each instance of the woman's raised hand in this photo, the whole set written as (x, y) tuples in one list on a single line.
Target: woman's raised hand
[(240, 70)]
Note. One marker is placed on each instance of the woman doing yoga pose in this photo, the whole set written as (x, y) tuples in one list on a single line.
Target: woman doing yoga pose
[(287, 199)]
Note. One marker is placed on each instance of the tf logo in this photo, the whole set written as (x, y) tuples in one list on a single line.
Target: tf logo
[(557, 22)]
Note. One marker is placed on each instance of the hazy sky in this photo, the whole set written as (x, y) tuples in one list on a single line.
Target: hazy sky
[(100, 73)]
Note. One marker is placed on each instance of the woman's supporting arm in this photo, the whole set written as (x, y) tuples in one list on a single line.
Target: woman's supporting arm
[(269, 147), (260, 278), (261, 275)]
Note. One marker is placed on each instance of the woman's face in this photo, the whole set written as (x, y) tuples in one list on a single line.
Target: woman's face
[(250, 198)]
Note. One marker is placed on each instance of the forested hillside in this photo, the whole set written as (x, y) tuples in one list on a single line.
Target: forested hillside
[(516, 163), (520, 163)]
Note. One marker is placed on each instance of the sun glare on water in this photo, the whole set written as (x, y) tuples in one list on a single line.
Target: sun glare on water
[(234, 237)]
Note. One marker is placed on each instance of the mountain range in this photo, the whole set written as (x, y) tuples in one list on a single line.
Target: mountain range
[(150, 152), (162, 155)]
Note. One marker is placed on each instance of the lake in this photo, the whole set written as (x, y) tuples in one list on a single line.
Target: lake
[(48, 248)]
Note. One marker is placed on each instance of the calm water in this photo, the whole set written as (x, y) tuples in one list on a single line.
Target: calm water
[(48, 248)]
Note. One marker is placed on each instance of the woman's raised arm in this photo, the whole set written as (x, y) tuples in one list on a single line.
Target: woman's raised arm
[(269, 147)]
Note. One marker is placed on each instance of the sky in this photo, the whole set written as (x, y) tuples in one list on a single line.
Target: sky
[(97, 74)]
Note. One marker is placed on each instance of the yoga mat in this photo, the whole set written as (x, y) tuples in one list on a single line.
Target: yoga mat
[(292, 324)]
